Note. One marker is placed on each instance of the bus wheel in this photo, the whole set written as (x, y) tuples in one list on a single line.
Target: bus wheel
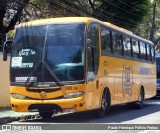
[(140, 102), (45, 115), (105, 104)]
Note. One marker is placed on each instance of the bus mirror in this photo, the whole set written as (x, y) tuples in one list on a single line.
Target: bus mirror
[(7, 48)]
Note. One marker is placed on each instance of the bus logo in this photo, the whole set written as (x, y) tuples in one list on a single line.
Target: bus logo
[(127, 80), (43, 94)]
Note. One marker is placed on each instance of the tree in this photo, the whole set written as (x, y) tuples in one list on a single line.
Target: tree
[(10, 13), (124, 13), (143, 28), (155, 23)]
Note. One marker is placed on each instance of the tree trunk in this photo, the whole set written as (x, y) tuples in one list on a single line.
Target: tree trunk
[(2, 40), (153, 25)]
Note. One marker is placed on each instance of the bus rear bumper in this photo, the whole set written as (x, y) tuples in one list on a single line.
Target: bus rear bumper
[(62, 105)]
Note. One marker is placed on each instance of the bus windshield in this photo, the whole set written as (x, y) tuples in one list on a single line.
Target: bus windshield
[(39, 52)]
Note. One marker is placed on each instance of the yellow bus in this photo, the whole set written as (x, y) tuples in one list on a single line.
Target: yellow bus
[(75, 64)]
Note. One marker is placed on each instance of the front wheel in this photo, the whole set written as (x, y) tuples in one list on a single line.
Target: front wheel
[(45, 115), (105, 104)]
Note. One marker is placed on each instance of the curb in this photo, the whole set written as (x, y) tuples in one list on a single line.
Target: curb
[(5, 120)]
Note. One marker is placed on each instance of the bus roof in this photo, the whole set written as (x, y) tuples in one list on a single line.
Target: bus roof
[(87, 20)]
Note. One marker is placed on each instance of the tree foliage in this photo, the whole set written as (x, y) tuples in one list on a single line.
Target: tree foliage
[(10, 13), (124, 13)]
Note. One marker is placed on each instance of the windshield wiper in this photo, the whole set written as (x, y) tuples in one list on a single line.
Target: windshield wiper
[(58, 82), (32, 72), (53, 74)]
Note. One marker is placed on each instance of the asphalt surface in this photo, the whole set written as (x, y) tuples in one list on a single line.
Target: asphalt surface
[(149, 114), (121, 114)]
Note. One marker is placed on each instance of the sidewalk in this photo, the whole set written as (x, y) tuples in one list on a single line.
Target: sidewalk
[(7, 115)]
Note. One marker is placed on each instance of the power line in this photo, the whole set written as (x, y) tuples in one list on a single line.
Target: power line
[(72, 9), (120, 17), (128, 5), (97, 14), (79, 12), (121, 8)]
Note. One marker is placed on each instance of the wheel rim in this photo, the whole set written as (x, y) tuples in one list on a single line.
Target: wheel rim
[(104, 102), (141, 97)]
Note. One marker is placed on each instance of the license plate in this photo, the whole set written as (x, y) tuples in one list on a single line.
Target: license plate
[(69, 110)]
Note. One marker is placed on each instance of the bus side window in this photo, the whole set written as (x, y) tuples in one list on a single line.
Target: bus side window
[(152, 53), (127, 46), (143, 50), (135, 46), (93, 35), (149, 57), (105, 41), (117, 43)]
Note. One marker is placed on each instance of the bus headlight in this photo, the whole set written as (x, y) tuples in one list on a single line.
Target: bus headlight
[(18, 96), (74, 95)]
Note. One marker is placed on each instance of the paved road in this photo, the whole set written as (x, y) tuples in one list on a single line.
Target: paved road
[(150, 114)]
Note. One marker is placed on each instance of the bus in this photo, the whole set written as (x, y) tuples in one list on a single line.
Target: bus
[(74, 64), (158, 73)]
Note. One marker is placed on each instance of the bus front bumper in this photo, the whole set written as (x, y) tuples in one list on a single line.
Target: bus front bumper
[(61, 105)]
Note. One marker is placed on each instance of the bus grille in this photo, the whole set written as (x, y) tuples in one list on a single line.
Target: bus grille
[(45, 90), (44, 108)]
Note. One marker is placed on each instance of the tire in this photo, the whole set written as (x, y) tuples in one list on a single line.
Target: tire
[(45, 115), (139, 104), (105, 104)]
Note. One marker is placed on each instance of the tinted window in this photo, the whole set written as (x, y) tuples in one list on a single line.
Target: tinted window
[(152, 53), (60, 46), (135, 47), (158, 66), (148, 52), (117, 43), (143, 50), (93, 36), (127, 46), (105, 40)]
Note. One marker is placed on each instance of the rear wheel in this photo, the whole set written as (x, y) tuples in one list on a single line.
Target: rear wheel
[(45, 115), (105, 104), (141, 100)]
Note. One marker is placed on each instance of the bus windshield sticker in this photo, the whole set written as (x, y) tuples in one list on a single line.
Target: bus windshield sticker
[(26, 52), (16, 62), (24, 79), (27, 65)]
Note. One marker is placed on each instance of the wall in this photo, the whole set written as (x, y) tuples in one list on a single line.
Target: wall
[(4, 82)]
